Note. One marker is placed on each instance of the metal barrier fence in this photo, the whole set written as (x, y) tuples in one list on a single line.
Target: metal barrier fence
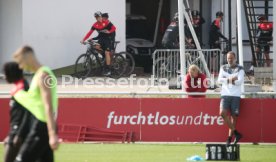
[(166, 63)]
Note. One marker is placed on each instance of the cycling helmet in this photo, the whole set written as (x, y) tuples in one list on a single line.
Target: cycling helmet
[(195, 13), (219, 13), (105, 15), (97, 14), (261, 17)]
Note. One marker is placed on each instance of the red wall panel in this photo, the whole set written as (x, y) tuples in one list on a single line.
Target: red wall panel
[(268, 124), (4, 118), (161, 119)]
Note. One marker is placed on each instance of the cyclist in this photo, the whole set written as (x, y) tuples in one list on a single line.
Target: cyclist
[(170, 39), (215, 33), (197, 21), (265, 30), (105, 17), (214, 36), (106, 37)]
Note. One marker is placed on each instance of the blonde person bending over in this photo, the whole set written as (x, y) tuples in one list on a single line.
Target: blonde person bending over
[(195, 81)]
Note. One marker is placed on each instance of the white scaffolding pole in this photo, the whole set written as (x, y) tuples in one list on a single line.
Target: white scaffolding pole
[(181, 40), (239, 24), (188, 9), (274, 48), (157, 21), (198, 47)]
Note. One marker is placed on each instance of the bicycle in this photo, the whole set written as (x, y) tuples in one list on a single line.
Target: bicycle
[(93, 61), (169, 67), (130, 63), (129, 60)]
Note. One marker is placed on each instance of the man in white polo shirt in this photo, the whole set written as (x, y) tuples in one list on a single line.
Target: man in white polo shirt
[(231, 76)]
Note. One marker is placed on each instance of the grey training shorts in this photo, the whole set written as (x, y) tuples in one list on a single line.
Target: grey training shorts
[(231, 103)]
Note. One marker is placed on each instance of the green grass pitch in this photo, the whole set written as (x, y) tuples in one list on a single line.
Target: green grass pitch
[(150, 152)]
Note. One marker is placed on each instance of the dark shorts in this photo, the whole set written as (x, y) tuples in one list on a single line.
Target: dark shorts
[(11, 137), (14, 128), (264, 45), (170, 44), (215, 46), (36, 145), (231, 103), (107, 44)]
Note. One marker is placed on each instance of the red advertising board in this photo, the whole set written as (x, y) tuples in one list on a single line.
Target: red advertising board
[(164, 119), (4, 118)]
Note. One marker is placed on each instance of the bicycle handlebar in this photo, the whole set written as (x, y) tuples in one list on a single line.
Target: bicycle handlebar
[(91, 42)]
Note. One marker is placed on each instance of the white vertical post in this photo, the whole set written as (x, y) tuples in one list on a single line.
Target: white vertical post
[(239, 24), (181, 40), (274, 48), (157, 21), (189, 9), (189, 23)]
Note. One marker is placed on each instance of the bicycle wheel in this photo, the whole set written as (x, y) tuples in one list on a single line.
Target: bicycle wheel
[(83, 66), (117, 66), (87, 65), (97, 64), (130, 63)]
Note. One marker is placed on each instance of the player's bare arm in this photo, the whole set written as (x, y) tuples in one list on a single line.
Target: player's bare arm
[(47, 100)]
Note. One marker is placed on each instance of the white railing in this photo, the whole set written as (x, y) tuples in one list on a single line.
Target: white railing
[(166, 63), (72, 93)]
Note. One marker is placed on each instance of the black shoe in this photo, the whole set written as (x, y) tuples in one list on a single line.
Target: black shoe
[(228, 141), (107, 73), (237, 138)]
